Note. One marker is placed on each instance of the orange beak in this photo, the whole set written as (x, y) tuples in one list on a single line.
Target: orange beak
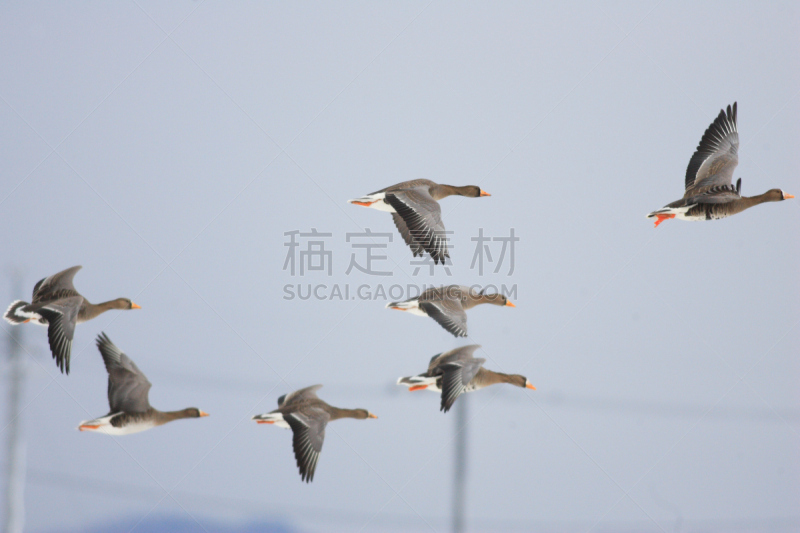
[(371, 416), (134, 306), (786, 196), (529, 386), (265, 422), (509, 304), (484, 193), (203, 413), (84, 428), (417, 387)]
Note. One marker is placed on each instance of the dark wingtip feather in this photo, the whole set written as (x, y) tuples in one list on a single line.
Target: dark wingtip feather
[(443, 407), (60, 347), (446, 406), (106, 346), (306, 471), (456, 333), (103, 340), (424, 238), (61, 363), (719, 129)]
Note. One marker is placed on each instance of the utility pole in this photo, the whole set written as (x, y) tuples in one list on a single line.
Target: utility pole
[(15, 458), (460, 465)]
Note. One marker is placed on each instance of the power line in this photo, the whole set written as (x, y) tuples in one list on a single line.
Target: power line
[(557, 399), (130, 491), (669, 409), (554, 398)]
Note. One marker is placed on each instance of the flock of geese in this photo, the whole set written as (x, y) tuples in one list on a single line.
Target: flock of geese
[(709, 195)]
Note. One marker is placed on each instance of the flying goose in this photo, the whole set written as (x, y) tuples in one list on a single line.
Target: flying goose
[(448, 305), (456, 372), (306, 415), (127, 396), (57, 305), (414, 206), (710, 193)]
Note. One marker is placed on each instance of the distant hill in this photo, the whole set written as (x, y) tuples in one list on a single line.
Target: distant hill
[(175, 524)]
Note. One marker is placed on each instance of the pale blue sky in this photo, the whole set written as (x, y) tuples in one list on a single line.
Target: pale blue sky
[(167, 147)]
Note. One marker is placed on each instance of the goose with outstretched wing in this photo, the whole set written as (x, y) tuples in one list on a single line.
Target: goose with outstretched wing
[(57, 305), (710, 193), (448, 305), (458, 371), (416, 212), (306, 415), (128, 389)]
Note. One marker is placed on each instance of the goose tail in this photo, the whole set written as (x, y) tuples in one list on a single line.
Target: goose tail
[(419, 382), (271, 418), (15, 314)]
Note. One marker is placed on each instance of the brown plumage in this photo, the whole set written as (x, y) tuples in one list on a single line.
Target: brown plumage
[(57, 305), (456, 372), (704, 210), (448, 305), (416, 212), (710, 193), (307, 416), (128, 389)]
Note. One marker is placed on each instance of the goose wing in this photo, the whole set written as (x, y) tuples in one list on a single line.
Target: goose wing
[(61, 316), (56, 286), (423, 218), (719, 194), (460, 353), (416, 247), (308, 434), (411, 184), (299, 395), (128, 387), (448, 313), (455, 378), (716, 157)]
